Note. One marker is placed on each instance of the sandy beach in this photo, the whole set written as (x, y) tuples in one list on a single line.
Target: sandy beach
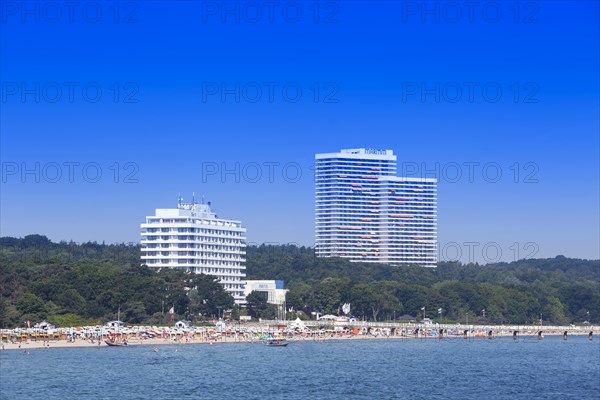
[(182, 342), (241, 338)]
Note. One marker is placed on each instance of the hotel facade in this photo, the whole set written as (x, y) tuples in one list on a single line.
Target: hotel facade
[(193, 238), (365, 213)]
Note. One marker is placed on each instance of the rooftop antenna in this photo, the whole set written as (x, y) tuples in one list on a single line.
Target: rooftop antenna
[(180, 200), (202, 198), (193, 197)]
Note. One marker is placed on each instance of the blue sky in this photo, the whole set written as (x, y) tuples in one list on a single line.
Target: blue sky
[(161, 97)]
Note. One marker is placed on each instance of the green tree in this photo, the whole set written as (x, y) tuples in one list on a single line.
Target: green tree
[(134, 312), (362, 297), (210, 297), (327, 295), (256, 302), (71, 301), (196, 305), (33, 305), (554, 310), (8, 313)]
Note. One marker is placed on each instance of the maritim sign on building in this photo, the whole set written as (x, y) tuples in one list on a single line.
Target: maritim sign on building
[(274, 289)]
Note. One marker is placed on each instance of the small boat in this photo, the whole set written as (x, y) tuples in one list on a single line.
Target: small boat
[(115, 344), (277, 343)]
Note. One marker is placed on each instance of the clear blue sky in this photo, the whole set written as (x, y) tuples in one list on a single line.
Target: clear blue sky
[(378, 74)]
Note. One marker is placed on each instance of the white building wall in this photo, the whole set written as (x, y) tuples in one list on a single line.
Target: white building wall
[(274, 289), (366, 213), (193, 238)]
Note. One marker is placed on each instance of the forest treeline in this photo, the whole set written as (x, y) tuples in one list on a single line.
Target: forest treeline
[(557, 290), (71, 284)]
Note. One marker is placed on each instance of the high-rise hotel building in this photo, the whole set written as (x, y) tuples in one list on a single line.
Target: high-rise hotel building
[(366, 213), (193, 238)]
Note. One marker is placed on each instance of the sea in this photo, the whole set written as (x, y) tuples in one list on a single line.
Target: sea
[(346, 369)]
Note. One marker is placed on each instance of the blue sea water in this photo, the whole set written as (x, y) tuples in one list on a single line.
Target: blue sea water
[(360, 369)]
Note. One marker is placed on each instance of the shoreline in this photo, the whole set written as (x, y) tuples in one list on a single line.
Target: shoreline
[(81, 343)]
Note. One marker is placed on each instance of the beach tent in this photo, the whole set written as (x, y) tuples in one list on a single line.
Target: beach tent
[(182, 325), (298, 325), (113, 324), (45, 325), (220, 326)]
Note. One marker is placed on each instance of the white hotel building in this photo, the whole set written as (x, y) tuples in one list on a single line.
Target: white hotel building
[(193, 238), (366, 213)]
